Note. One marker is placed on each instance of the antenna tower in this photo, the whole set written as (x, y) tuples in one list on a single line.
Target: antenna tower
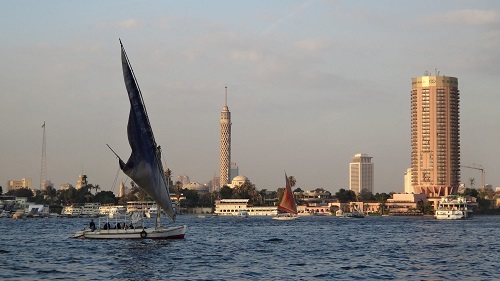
[(43, 172)]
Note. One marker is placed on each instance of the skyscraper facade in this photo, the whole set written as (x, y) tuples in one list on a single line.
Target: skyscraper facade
[(225, 143), (435, 135), (361, 173), (233, 171)]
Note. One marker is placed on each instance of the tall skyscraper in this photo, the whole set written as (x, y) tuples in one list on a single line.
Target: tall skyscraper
[(435, 135), (225, 143), (361, 173), (233, 171)]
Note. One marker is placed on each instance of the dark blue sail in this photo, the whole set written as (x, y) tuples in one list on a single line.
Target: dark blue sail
[(144, 166)]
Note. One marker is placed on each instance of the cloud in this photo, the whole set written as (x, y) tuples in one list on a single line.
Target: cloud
[(241, 55), (312, 45), (128, 24), (466, 17), (124, 24), (293, 12)]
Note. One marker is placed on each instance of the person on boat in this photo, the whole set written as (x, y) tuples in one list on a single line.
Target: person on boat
[(92, 225), (107, 226), (118, 225), (131, 226)]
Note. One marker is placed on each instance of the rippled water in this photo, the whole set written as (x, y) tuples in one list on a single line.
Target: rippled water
[(258, 248)]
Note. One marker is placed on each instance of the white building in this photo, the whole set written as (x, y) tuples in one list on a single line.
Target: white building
[(361, 173), (407, 179)]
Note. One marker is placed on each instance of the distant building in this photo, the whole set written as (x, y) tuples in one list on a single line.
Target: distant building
[(435, 135), (82, 181), (403, 203), (23, 183), (407, 179), (45, 184), (65, 186), (123, 190), (234, 171), (184, 179), (316, 197), (361, 173), (196, 187), (215, 184)]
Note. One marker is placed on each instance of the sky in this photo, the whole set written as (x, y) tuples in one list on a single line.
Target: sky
[(310, 84)]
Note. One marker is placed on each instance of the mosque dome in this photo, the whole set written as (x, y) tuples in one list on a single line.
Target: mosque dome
[(196, 186), (239, 180)]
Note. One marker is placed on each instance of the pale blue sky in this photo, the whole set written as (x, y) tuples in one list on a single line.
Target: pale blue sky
[(311, 83)]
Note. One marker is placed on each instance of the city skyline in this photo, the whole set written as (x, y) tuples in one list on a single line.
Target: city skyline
[(312, 83)]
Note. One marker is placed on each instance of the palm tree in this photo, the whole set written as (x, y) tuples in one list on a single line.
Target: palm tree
[(178, 190), (472, 182), (168, 175), (292, 181), (96, 187), (51, 193)]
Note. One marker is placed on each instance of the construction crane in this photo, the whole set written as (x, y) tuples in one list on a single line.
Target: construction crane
[(480, 168)]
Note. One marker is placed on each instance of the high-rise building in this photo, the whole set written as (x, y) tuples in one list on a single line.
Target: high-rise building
[(184, 179), (234, 171), (225, 143), (361, 173), (435, 135)]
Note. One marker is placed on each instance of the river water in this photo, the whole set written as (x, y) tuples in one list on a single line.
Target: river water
[(259, 248)]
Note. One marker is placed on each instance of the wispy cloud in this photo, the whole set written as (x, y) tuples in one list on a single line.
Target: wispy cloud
[(241, 55), (124, 24), (294, 11), (128, 24), (312, 45), (466, 17)]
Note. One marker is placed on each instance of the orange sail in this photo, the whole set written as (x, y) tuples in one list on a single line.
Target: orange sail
[(288, 202)]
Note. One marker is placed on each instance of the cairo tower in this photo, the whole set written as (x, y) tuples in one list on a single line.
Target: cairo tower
[(225, 143), (435, 135)]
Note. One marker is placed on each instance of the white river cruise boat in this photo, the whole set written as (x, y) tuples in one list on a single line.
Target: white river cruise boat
[(453, 208)]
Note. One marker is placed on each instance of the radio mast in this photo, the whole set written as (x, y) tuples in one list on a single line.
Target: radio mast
[(43, 172)]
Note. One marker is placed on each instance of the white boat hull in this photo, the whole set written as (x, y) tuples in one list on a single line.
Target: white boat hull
[(451, 215), (286, 218), (175, 232)]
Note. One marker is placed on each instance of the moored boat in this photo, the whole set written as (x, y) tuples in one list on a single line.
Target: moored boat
[(241, 214), (19, 214), (355, 213), (453, 208)]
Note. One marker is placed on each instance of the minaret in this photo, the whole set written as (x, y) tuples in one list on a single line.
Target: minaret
[(225, 143)]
